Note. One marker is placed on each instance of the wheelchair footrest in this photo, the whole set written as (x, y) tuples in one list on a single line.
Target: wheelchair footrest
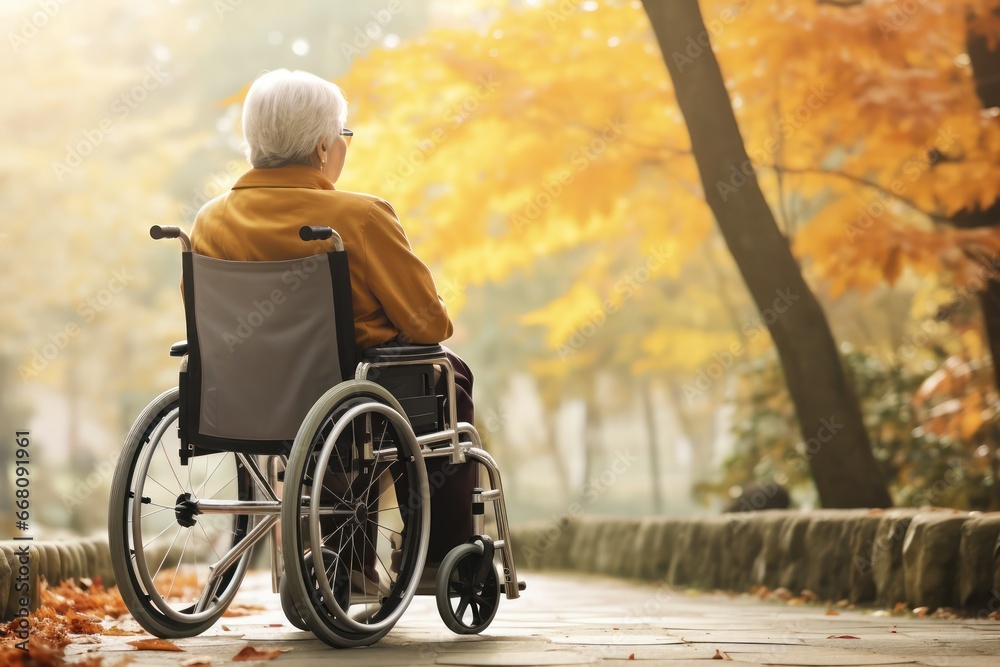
[(521, 585)]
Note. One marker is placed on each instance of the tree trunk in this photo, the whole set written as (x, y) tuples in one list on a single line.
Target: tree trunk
[(985, 60), (655, 472), (840, 457), (699, 429), (558, 459)]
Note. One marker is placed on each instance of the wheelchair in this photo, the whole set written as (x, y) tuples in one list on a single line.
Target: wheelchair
[(270, 434)]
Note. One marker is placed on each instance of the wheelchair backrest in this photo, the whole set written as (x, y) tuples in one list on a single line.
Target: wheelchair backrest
[(265, 341)]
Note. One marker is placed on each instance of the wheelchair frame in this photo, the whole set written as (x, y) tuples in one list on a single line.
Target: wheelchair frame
[(460, 442)]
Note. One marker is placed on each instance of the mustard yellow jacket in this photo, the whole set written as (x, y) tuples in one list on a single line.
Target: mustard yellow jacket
[(259, 220)]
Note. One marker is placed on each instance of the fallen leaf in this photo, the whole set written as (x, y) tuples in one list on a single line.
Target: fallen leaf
[(898, 607), (631, 656), (197, 661), (250, 653), (154, 645), (809, 595), (796, 602), (921, 611), (832, 612), (782, 593), (81, 624), (721, 655), (843, 637)]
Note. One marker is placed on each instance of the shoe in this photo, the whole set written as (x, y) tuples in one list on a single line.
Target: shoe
[(396, 557), (368, 583)]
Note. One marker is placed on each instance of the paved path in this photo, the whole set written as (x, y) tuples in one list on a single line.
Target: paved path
[(570, 619)]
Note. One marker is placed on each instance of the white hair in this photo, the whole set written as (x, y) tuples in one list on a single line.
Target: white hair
[(287, 113)]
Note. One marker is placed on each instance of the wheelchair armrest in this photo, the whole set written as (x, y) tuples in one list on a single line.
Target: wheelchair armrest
[(179, 349), (404, 353)]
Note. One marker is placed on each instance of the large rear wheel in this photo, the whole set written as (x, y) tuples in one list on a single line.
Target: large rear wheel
[(356, 490), (162, 557)]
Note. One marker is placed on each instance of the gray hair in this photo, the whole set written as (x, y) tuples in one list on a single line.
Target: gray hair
[(286, 114)]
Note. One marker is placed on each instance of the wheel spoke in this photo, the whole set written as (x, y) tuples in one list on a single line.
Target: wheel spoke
[(169, 463), (156, 481), (209, 540), (379, 558), (177, 569), (158, 535), (460, 611), (222, 459), (383, 492)]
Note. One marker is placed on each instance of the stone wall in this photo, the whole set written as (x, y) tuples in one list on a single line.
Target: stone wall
[(55, 561), (932, 557)]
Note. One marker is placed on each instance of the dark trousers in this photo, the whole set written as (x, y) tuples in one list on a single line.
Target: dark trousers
[(450, 485), (450, 488)]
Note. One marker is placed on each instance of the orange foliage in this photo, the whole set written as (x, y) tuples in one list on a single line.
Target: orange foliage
[(484, 136)]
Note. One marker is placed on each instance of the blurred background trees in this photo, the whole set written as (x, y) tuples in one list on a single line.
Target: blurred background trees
[(537, 157)]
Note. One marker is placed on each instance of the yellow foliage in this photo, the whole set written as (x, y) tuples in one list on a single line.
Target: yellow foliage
[(555, 127)]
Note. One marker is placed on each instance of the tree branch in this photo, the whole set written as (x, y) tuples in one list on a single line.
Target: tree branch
[(860, 180)]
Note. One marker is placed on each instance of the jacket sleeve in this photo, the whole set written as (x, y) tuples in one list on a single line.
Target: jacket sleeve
[(400, 281)]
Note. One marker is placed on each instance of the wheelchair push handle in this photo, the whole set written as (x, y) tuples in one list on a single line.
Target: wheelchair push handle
[(157, 232), (316, 233)]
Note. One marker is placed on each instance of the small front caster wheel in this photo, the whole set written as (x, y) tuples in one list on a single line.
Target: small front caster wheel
[(466, 606)]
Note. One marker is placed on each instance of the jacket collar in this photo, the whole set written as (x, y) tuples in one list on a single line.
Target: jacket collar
[(294, 176)]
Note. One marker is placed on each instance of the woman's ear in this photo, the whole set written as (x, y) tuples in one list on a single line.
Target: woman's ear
[(322, 151)]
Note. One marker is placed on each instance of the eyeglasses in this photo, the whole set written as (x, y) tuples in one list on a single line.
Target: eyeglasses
[(347, 134)]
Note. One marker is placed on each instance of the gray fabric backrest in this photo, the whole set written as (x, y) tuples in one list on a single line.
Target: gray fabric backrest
[(268, 344)]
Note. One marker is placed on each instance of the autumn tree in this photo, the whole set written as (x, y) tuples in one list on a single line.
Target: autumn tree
[(828, 413)]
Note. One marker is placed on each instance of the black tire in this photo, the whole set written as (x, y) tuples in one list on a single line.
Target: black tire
[(293, 611), (463, 609), (142, 591), (326, 462)]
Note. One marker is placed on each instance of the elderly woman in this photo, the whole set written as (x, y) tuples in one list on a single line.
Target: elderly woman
[(293, 123)]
